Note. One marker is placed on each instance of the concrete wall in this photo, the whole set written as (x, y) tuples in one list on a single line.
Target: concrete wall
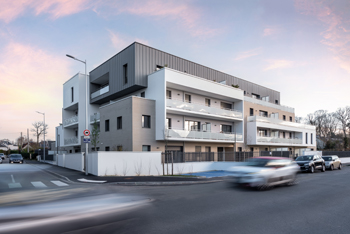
[(71, 161)]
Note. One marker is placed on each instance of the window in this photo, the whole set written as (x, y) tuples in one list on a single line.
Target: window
[(77, 150), (146, 121), (208, 149), (206, 127), (284, 117), (263, 113), (146, 148), (107, 125), (251, 111), (168, 94), (192, 125), (158, 67), (168, 123), (125, 73), (198, 149), (245, 92), (72, 90), (143, 94), (226, 106), (119, 148), (207, 102), (311, 139), (290, 135), (76, 133), (306, 137), (239, 149), (251, 149), (255, 96), (276, 101), (119, 122), (70, 151), (266, 149), (284, 134), (225, 128), (188, 98), (107, 148), (262, 133), (290, 118)]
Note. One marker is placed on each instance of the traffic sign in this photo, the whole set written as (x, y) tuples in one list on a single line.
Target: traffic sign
[(86, 132), (87, 140), (86, 137)]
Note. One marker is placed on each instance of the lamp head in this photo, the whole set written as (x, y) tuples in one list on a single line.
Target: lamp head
[(70, 56)]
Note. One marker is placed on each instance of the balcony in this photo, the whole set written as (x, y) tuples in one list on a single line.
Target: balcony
[(100, 92), (181, 134), (71, 121), (71, 141), (262, 119), (94, 117), (274, 140), (202, 109)]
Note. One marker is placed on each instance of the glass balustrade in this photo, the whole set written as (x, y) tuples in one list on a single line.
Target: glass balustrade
[(186, 134)]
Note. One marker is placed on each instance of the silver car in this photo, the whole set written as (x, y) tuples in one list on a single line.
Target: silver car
[(332, 161)]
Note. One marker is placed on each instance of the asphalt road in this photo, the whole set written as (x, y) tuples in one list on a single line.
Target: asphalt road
[(319, 203)]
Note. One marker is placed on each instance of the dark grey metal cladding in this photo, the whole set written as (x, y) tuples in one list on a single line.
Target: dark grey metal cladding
[(147, 58), (111, 73)]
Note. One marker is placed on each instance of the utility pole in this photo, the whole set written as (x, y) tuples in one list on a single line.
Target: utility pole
[(27, 140), (21, 142)]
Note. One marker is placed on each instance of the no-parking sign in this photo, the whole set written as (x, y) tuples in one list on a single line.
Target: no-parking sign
[(86, 132)]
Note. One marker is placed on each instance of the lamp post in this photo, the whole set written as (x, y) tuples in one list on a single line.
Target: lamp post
[(86, 110), (44, 133)]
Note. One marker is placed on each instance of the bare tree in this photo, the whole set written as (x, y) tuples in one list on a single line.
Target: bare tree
[(38, 129), (138, 168), (343, 116)]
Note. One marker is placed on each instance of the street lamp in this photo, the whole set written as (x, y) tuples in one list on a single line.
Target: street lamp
[(44, 133), (86, 109)]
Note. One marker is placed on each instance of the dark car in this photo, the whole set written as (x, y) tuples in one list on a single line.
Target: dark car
[(311, 163), (16, 158), (2, 155), (332, 161)]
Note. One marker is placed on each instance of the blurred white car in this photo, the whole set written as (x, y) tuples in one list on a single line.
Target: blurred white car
[(264, 172)]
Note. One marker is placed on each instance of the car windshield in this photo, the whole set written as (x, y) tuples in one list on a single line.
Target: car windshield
[(327, 158), (16, 156), (304, 158)]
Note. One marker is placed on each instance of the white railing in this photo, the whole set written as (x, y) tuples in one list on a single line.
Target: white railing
[(179, 104), (94, 117), (100, 92), (71, 141), (269, 104), (291, 141), (279, 122), (186, 134), (71, 120)]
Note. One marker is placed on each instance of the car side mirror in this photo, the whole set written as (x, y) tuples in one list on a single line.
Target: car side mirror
[(315, 159)]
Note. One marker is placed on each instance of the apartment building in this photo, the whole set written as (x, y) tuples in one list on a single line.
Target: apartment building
[(144, 99)]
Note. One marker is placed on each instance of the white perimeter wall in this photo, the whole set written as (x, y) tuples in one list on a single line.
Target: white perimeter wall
[(71, 161)]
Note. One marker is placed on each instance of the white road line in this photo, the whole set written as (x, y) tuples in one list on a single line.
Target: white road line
[(38, 184), (59, 183), (13, 180), (15, 185)]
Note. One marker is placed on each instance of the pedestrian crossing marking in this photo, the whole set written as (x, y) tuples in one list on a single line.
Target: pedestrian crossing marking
[(15, 185), (58, 183), (38, 184)]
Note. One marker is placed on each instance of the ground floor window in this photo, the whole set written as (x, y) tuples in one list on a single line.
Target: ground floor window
[(107, 148), (146, 148)]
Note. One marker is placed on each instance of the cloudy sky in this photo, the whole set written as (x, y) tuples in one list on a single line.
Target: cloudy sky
[(300, 48)]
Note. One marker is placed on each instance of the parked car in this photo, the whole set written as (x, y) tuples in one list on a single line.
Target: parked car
[(264, 172), (0, 160), (2, 155), (16, 158), (311, 163), (332, 161)]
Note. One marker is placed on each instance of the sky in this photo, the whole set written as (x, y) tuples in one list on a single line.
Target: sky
[(300, 48)]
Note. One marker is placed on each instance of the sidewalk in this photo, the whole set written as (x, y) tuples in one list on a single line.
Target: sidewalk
[(76, 176)]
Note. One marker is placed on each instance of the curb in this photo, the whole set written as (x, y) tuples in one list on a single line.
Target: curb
[(164, 183)]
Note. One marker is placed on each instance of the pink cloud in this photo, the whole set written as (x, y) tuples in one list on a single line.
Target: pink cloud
[(120, 41), (270, 31), (336, 19), (31, 79), (279, 64), (10, 10), (248, 54)]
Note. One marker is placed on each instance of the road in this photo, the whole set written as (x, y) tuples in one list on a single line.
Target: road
[(319, 203)]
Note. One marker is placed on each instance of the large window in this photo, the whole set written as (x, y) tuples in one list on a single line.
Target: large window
[(107, 125), (146, 121), (125, 73), (226, 106), (192, 125), (206, 127), (119, 122), (225, 128), (263, 113), (146, 148)]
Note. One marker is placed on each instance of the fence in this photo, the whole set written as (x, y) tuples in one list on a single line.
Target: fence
[(340, 154), (178, 157)]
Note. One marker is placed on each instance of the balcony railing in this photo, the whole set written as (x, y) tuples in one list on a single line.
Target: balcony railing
[(100, 92), (71, 141), (218, 136), (94, 117), (279, 122), (292, 141), (179, 104), (71, 120)]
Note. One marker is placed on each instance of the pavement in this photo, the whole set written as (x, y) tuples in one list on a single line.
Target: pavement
[(80, 177)]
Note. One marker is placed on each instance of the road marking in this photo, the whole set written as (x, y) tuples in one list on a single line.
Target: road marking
[(15, 185), (13, 180), (58, 183), (38, 184)]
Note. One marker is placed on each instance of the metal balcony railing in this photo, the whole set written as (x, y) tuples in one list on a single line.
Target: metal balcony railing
[(71, 120), (292, 141), (218, 136), (279, 122), (71, 141), (179, 104), (100, 92), (94, 117)]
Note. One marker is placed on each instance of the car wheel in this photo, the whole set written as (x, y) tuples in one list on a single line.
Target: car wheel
[(312, 169), (332, 167), (323, 168), (340, 166)]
